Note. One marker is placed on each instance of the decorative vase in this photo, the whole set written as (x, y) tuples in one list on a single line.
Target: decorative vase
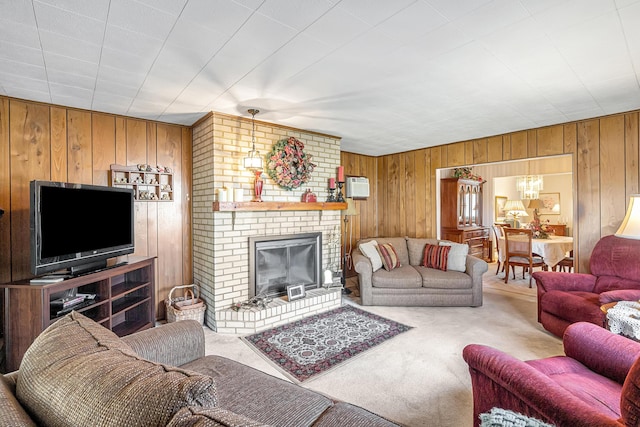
[(257, 186)]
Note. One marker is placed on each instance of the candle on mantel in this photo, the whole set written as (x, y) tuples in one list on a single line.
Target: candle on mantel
[(332, 183), (340, 173)]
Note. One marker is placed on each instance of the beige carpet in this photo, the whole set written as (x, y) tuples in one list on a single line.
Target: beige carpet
[(419, 378)]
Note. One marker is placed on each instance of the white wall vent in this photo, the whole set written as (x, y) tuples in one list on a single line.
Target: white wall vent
[(357, 187)]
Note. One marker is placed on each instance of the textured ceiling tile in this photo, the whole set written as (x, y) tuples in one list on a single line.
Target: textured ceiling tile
[(19, 53), (19, 34), (455, 9), (18, 11), (173, 7), (96, 9), (414, 21), (294, 13), (491, 17), (222, 15), (76, 66), (69, 24), (374, 15), (337, 28), (140, 18), (67, 46)]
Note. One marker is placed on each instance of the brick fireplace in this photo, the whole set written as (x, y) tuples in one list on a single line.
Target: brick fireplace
[(221, 239)]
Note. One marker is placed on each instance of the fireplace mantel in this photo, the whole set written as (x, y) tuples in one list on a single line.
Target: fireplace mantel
[(278, 206)]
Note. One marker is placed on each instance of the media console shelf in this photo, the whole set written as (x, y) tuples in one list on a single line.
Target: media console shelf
[(124, 303)]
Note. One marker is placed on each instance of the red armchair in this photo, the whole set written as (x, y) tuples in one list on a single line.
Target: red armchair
[(597, 382), (566, 298)]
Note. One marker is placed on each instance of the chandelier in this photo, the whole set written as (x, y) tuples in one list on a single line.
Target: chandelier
[(529, 186)]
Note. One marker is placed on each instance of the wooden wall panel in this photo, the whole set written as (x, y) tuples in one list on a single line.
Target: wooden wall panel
[(5, 193), (479, 151), (519, 147), (506, 147), (422, 192), (612, 178), (588, 188), (455, 154), (40, 141), (59, 149), (79, 150), (187, 173), (632, 153), (550, 141), (169, 153), (30, 145), (408, 195), (494, 149), (532, 143)]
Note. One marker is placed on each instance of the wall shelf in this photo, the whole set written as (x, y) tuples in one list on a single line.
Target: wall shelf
[(278, 206)]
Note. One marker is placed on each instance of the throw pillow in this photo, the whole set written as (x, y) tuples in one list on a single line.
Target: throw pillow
[(389, 256), (79, 373), (369, 250), (436, 256), (498, 417), (211, 417), (457, 256)]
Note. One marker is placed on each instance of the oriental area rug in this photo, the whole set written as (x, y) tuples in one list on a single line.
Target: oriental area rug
[(316, 344)]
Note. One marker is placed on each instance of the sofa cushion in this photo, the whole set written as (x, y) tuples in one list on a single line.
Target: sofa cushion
[(402, 277), (79, 373), (12, 413), (247, 391), (193, 416), (389, 256), (597, 391), (344, 414), (435, 257), (572, 306), (399, 244), (457, 260), (438, 279), (415, 249), (370, 250)]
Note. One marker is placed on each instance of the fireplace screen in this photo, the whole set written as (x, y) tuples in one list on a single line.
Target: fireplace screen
[(279, 261)]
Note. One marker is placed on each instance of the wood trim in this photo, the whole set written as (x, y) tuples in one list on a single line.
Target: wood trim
[(277, 206)]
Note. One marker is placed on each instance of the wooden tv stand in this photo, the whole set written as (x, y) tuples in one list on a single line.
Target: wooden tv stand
[(124, 303)]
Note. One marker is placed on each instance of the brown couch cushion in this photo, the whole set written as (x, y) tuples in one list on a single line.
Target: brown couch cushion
[(79, 373), (400, 278), (211, 417), (415, 248)]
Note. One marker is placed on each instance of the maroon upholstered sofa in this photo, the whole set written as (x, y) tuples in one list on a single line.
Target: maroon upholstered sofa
[(597, 382), (566, 298)]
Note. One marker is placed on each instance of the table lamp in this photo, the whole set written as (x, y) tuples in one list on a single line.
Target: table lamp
[(515, 208), (630, 227)]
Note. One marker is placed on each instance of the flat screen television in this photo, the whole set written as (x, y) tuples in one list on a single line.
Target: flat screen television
[(79, 227)]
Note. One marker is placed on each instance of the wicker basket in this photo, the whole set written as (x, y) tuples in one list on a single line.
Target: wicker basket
[(187, 307)]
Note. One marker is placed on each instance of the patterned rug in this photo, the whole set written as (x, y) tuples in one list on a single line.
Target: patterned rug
[(313, 345)]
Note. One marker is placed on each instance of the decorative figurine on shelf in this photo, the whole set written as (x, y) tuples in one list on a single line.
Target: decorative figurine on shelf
[(309, 197)]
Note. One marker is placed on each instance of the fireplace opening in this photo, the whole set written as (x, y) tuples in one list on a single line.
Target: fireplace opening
[(276, 262)]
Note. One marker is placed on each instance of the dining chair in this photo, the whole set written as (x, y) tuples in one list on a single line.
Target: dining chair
[(497, 233), (566, 262), (519, 252)]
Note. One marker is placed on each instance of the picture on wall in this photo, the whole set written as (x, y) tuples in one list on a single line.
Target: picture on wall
[(500, 213), (551, 202)]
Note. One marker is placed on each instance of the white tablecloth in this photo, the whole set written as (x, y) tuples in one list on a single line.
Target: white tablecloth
[(553, 249), (624, 318)]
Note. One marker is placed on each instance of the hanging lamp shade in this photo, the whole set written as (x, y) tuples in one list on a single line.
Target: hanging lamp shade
[(253, 160), (529, 186)]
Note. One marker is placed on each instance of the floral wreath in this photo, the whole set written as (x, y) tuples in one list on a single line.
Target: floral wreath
[(288, 165)]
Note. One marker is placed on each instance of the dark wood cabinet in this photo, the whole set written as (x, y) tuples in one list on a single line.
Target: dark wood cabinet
[(124, 302), (461, 216)]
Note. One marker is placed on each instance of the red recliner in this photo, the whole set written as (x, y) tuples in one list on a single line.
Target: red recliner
[(566, 298), (596, 382)]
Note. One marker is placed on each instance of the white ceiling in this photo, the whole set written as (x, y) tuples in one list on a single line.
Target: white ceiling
[(387, 76)]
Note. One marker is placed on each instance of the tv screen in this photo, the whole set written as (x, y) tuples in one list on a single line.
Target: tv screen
[(75, 226)]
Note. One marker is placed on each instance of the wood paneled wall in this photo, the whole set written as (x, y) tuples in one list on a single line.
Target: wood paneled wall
[(48, 142), (605, 172)]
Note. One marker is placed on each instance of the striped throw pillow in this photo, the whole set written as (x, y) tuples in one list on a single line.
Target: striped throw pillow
[(389, 256), (436, 256)]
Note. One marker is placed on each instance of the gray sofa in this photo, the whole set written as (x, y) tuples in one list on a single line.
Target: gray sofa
[(78, 373), (414, 285)]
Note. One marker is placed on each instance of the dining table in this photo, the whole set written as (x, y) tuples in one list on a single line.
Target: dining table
[(553, 249)]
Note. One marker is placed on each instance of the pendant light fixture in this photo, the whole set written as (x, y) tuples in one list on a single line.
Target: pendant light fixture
[(529, 186), (253, 160)]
